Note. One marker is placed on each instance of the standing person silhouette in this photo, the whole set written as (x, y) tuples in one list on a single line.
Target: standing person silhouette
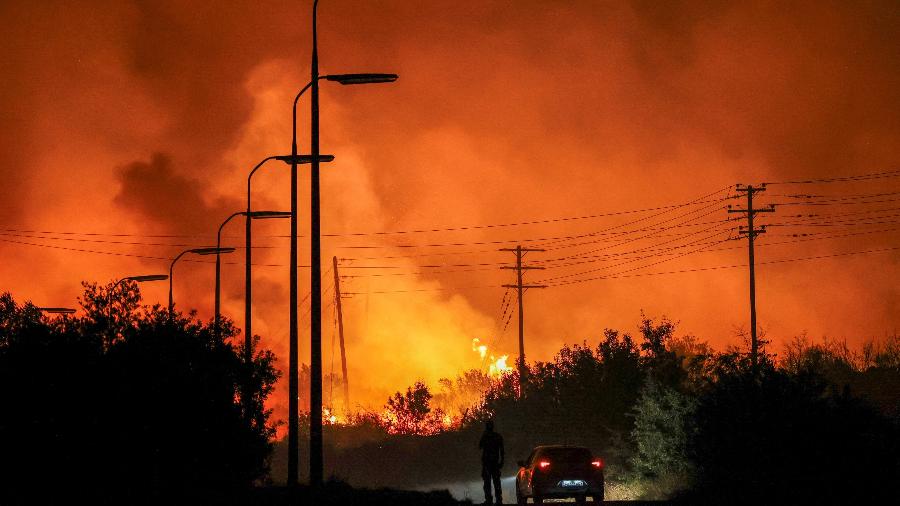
[(492, 454)]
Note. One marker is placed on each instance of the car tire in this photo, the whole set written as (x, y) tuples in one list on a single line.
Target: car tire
[(537, 499), (580, 500)]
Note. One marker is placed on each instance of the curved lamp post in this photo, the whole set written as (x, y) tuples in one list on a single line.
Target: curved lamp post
[(248, 276), (139, 279), (196, 251), (248, 252), (315, 398), (256, 215)]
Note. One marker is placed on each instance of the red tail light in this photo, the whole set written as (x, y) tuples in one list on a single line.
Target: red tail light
[(544, 464), (598, 464)]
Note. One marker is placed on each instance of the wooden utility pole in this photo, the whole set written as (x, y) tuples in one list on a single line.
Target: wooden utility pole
[(751, 235), (519, 286), (340, 317)]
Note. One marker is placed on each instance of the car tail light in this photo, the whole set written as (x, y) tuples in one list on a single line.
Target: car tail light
[(543, 464), (597, 463)]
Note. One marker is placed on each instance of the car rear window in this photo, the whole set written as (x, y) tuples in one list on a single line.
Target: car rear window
[(567, 454)]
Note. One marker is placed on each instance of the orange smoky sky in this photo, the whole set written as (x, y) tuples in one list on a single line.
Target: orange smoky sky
[(128, 129)]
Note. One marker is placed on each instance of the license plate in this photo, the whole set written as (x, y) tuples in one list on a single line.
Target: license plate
[(572, 483)]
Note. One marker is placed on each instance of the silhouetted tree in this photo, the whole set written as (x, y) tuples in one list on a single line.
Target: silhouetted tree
[(411, 413), (777, 436), (151, 413), (658, 359)]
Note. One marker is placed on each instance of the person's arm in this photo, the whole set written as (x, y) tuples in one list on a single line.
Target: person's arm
[(502, 452)]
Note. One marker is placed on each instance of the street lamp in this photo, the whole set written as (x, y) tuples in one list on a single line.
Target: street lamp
[(315, 397), (248, 277), (139, 279), (196, 251), (248, 285), (361, 78), (256, 215), (56, 310)]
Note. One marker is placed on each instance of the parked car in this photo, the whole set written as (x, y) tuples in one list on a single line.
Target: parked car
[(557, 472)]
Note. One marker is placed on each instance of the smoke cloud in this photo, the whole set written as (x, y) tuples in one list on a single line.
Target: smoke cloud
[(145, 118)]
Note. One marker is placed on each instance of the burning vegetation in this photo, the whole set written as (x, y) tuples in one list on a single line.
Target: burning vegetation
[(660, 408)]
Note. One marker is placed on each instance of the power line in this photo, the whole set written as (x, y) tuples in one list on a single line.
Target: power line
[(394, 232), (732, 266), (686, 223), (607, 230), (838, 179), (138, 243), (699, 200), (134, 255), (802, 237), (644, 274), (844, 223), (628, 261)]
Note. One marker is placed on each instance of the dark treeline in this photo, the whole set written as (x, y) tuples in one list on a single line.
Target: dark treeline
[(671, 417), (129, 404), (126, 404)]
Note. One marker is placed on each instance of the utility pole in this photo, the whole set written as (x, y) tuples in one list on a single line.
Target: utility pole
[(316, 459), (519, 286), (340, 316), (751, 235)]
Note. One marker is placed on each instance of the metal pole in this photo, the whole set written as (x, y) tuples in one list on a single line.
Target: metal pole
[(750, 235), (293, 387), (315, 369), (521, 317), (218, 283), (248, 286), (218, 313), (171, 281), (248, 331), (340, 316)]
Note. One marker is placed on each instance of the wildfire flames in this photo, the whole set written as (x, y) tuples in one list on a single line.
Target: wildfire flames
[(429, 422), (497, 366), (434, 423), (330, 418)]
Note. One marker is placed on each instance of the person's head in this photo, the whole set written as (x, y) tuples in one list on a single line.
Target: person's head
[(489, 425)]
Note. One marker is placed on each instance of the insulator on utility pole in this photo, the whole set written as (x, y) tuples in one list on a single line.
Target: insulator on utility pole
[(751, 233)]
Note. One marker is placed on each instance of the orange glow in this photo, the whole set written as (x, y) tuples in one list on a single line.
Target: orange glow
[(331, 418), (496, 366), (480, 348), (566, 115)]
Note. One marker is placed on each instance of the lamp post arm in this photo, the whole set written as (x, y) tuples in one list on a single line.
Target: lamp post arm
[(219, 267), (171, 273), (258, 165), (248, 287), (296, 100), (219, 233)]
